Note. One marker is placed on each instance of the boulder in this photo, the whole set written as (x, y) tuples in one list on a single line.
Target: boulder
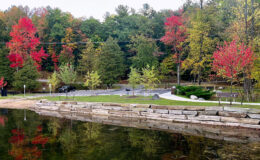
[(193, 97), (173, 116), (201, 99), (155, 97), (221, 88), (175, 112), (254, 116), (255, 111), (162, 111), (210, 112), (214, 108), (232, 114), (218, 91), (240, 120), (190, 112), (204, 118), (234, 109), (142, 105)]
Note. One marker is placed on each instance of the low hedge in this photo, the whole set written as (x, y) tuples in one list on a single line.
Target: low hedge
[(194, 90)]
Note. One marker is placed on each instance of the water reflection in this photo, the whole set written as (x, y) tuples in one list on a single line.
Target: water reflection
[(51, 138), (25, 147), (2, 120)]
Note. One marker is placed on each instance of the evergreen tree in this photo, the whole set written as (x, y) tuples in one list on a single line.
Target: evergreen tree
[(5, 69), (145, 49), (28, 76), (110, 62), (87, 61)]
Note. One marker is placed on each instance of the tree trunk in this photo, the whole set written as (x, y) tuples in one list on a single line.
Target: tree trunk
[(178, 66), (199, 77), (246, 30), (252, 29), (231, 83), (178, 74)]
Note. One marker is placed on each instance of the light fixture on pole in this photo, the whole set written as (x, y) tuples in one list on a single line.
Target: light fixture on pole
[(50, 88), (24, 86)]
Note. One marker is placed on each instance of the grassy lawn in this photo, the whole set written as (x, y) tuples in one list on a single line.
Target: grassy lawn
[(16, 96), (137, 100)]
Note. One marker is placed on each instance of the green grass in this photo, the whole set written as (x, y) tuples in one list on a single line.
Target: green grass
[(16, 96), (137, 100)]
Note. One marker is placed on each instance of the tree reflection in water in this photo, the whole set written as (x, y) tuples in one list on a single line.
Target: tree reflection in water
[(2, 120), (41, 137), (24, 147)]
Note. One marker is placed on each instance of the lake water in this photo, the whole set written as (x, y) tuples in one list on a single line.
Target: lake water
[(25, 135)]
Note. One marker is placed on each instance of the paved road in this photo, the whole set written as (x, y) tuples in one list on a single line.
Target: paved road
[(122, 91), (169, 96)]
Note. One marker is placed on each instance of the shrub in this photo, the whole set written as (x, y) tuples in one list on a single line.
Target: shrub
[(194, 90), (28, 76)]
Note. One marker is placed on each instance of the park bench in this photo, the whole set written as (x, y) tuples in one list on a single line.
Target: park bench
[(227, 95)]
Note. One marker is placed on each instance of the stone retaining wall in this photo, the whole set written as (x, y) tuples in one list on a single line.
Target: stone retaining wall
[(220, 116), (241, 135)]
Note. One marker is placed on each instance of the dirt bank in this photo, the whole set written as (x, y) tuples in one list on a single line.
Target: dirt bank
[(16, 103)]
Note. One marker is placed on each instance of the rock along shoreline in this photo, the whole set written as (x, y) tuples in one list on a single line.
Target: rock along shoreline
[(214, 116)]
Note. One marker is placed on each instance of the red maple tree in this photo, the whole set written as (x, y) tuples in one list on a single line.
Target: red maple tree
[(174, 36), (24, 147), (24, 43), (2, 120), (231, 60), (67, 54), (2, 82), (55, 59)]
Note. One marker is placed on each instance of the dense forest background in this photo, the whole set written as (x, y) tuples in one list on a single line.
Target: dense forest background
[(135, 38)]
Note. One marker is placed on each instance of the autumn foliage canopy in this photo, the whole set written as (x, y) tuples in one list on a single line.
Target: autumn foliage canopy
[(174, 35), (232, 59), (175, 31), (24, 43)]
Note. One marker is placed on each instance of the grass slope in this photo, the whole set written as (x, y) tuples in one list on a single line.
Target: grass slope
[(137, 100)]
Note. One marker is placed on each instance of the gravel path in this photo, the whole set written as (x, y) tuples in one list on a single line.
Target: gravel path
[(122, 91), (169, 96)]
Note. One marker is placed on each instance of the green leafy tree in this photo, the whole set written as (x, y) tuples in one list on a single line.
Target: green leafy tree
[(92, 80), (110, 62), (91, 27), (88, 58), (201, 45), (150, 77), (145, 49), (54, 80), (28, 76), (167, 68), (134, 79), (67, 74)]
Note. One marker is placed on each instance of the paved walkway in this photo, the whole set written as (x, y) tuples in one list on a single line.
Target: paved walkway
[(169, 96)]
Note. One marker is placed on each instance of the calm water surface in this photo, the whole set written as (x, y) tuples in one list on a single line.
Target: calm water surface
[(24, 135)]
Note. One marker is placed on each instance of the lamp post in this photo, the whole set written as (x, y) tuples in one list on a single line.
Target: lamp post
[(24, 86), (24, 117), (50, 88)]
